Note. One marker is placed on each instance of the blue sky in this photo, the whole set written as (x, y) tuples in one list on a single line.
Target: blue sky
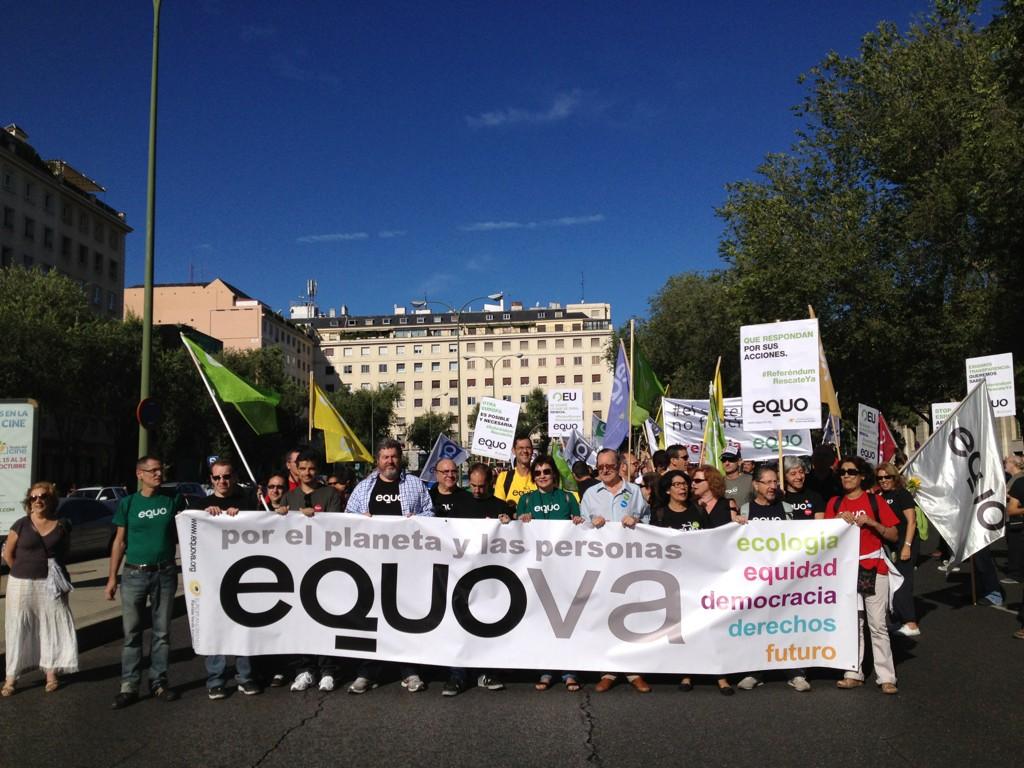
[(394, 150)]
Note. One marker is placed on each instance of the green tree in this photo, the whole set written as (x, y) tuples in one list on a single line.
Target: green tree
[(427, 426), (369, 412)]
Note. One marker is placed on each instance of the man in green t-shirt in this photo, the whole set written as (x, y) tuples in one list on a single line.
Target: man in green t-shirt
[(145, 540)]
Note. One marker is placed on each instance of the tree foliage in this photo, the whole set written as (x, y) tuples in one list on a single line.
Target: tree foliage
[(369, 412), (897, 213), (427, 426)]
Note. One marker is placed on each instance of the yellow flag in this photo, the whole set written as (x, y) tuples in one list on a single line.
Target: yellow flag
[(340, 441)]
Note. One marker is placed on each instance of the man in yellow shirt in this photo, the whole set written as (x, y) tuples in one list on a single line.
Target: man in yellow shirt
[(517, 481)]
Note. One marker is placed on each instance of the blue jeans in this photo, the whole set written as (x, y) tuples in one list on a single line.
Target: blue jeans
[(215, 666), (159, 588)]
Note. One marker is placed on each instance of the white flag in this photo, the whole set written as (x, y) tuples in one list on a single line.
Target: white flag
[(962, 486)]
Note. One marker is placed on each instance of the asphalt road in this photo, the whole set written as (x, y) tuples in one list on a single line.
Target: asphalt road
[(960, 703)]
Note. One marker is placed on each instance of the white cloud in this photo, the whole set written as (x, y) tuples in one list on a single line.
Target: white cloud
[(333, 237), (563, 221), (387, 234), (435, 284), (562, 107)]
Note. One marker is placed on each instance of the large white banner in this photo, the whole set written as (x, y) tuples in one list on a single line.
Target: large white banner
[(867, 433), (565, 412), (962, 488), (768, 595), (997, 371), (495, 428), (18, 430), (779, 366), (684, 425)]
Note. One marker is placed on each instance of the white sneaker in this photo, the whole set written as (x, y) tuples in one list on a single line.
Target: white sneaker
[(361, 685), (326, 683), (749, 683), (413, 684), (908, 631), (799, 683), (302, 681)]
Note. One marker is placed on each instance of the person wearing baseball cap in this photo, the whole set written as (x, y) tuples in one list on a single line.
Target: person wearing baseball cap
[(738, 486)]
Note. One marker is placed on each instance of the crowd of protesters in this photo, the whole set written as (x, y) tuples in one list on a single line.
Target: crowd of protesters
[(666, 490)]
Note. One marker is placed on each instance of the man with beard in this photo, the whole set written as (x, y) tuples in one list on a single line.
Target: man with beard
[(389, 490)]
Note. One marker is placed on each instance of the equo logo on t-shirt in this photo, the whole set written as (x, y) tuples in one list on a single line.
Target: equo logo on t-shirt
[(387, 498), (547, 508), (151, 513)]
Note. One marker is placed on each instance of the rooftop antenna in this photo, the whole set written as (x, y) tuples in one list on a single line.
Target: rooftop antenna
[(582, 300)]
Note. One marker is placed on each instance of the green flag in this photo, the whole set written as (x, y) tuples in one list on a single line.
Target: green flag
[(258, 408), (714, 430), (646, 389), (568, 481)]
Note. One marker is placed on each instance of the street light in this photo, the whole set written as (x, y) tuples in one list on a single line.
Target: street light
[(422, 303), (494, 365)]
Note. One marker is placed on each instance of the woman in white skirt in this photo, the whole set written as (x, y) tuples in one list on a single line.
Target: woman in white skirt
[(39, 627)]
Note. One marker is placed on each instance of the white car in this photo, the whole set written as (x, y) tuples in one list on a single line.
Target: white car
[(100, 493)]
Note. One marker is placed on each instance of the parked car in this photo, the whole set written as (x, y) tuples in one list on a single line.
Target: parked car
[(195, 495), (92, 527), (100, 492)]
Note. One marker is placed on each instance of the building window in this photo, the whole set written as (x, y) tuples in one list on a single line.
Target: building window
[(417, 349), (470, 382), (435, 402), (488, 317), (419, 320), (488, 382), (97, 262), (403, 321), (417, 385), (471, 364), (506, 382), (83, 222), (596, 396), (417, 402), (417, 367), (524, 362), (453, 348), (577, 343), (364, 351), (541, 315), (471, 346), (524, 381), (577, 378), (453, 401), (6, 257), (435, 349), (112, 270), (577, 361), (329, 370), (435, 384), (346, 369), (382, 350), (28, 193), (524, 344), (542, 362), (559, 361), (453, 365), (400, 349), (30, 229), (506, 345), (542, 344), (559, 379), (506, 363), (595, 378), (8, 218), (399, 367), (347, 352), (329, 352), (8, 179), (595, 359), (559, 343), (471, 400), (595, 341), (453, 383), (488, 346), (97, 295), (364, 369), (435, 366), (48, 238), (542, 379), (382, 368)]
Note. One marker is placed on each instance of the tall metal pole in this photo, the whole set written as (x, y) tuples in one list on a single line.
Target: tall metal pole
[(147, 291)]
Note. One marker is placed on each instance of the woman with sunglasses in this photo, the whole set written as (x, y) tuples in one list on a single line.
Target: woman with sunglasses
[(877, 523), (711, 510), (549, 502), (893, 488), (39, 628)]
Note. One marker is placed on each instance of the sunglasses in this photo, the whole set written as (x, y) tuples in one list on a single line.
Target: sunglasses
[(699, 480), (848, 473), (275, 487), (220, 477), (539, 472), (608, 467), (39, 497), (153, 471), (884, 477)]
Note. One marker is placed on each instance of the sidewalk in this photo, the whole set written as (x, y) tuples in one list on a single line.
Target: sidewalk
[(97, 620)]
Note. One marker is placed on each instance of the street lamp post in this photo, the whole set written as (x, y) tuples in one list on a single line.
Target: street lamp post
[(147, 290), (421, 303)]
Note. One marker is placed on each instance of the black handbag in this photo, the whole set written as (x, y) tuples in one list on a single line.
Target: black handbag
[(866, 580)]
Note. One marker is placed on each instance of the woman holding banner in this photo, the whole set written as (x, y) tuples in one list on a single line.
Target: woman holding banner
[(893, 488), (877, 523), (712, 510), (549, 502)]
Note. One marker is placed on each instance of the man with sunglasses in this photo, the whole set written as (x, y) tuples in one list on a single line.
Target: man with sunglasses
[(145, 540), (228, 497)]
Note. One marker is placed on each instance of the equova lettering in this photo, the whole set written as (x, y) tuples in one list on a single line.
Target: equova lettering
[(961, 442), (780, 406), (238, 581)]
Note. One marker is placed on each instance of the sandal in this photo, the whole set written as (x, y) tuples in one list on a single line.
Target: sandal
[(543, 684), (7, 690), (51, 686), (1019, 634), (572, 685)]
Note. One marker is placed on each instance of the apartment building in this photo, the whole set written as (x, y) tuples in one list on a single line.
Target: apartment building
[(50, 218), (436, 358), (224, 312)]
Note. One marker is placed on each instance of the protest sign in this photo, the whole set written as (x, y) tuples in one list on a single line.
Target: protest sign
[(867, 433), (940, 412), (780, 376), (684, 425), (19, 430), (997, 371), (565, 412), (495, 428), (453, 592)]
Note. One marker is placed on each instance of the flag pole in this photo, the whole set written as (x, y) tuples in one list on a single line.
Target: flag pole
[(629, 405), (935, 431), (309, 435), (231, 434)]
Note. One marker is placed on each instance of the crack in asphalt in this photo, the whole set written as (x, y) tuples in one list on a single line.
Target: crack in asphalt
[(316, 713), (589, 722)]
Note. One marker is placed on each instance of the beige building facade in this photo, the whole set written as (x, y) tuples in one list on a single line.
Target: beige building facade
[(51, 219), (224, 312), (437, 358)]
